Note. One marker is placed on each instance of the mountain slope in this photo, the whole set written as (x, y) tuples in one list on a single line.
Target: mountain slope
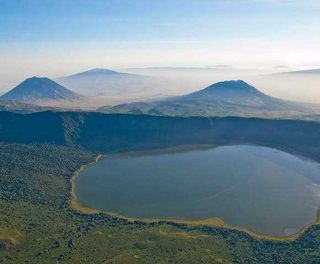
[(37, 90), (221, 99)]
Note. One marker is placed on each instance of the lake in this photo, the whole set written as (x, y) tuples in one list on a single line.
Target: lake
[(263, 189)]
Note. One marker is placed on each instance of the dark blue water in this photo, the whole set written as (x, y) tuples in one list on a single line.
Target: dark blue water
[(260, 188)]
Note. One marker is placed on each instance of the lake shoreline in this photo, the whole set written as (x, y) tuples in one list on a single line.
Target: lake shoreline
[(212, 222)]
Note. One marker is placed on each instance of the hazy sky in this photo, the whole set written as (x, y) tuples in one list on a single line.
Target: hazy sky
[(58, 37)]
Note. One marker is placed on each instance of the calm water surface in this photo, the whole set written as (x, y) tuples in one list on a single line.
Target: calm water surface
[(260, 188)]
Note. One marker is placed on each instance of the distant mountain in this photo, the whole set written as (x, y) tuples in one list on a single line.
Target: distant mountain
[(104, 82), (40, 91), (227, 98), (99, 72), (228, 91), (311, 71)]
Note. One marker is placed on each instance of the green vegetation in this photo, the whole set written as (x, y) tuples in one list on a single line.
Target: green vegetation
[(38, 225)]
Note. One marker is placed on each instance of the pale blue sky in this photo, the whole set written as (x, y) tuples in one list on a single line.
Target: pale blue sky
[(53, 37)]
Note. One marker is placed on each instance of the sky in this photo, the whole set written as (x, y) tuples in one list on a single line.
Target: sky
[(59, 37)]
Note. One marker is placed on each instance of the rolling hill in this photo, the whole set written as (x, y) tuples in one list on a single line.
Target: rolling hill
[(40, 91), (236, 98)]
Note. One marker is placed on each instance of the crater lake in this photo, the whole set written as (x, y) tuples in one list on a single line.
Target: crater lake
[(259, 188)]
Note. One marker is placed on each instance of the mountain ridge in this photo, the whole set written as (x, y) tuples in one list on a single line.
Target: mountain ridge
[(122, 132)]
